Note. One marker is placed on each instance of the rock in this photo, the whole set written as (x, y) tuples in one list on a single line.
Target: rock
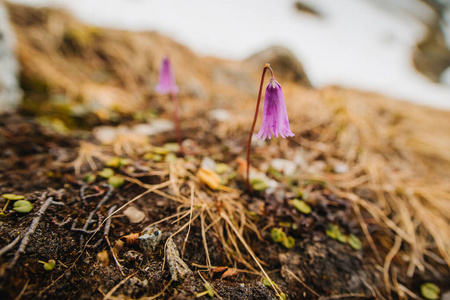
[(177, 267), (432, 55), (10, 93), (305, 8), (283, 62), (134, 215)]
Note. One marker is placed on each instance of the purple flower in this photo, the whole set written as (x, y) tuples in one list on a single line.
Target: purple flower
[(166, 82), (275, 119)]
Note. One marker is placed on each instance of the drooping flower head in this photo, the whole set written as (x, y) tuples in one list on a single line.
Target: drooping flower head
[(275, 119), (166, 84)]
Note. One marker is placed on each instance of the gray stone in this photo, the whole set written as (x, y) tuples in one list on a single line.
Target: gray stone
[(10, 93), (283, 62)]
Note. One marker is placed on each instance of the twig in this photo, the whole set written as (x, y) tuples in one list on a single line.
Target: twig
[(25, 286), (111, 292), (105, 235), (215, 291), (190, 220), (91, 215), (26, 237), (9, 246)]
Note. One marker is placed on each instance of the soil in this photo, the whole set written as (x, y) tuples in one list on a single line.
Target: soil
[(34, 163)]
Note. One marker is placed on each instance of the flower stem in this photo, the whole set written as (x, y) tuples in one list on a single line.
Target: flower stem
[(267, 66), (177, 120)]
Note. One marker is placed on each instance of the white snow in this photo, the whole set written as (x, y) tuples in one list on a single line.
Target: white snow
[(364, 44)]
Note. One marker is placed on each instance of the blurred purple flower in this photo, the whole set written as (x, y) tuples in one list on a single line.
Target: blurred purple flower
[(166, 84), (275, 119)]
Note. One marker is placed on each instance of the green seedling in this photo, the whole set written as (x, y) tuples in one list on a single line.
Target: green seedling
[(332, 231), (89, 178), (116, 181), (13, 197), (354, 242), (301, 206), (258, 184), (48, 266), (117, 162), (275, 173), (171, 157), (277, 235), (221, 168), (23, 206), (8, 198), (209, 291), (160, 150), (288, 242), (106, 173), (172, 147), (430, 291)]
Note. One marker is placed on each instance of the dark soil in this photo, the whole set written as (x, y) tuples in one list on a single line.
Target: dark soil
[(34, 162)]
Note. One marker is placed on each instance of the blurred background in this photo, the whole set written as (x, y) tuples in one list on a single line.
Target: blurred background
[(399, 48)]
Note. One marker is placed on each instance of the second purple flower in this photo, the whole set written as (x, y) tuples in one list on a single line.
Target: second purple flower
[(166, 84), (275, 119)]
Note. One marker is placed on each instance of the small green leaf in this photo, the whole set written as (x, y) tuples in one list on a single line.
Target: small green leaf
[(221, 168), (332, 231), (50, 265), (266, 282), (354, 242), (23, 206), (277, 235), (288, 242), (89, 178), (283, 296), (116, 181), (209, 290), (301, 206), (13, 197), (275, 173), (117, 162), (160, 150), (157, 157), (430, 291), (171, 147), (106, 172), (342, 238), (258, 184), (171, 157), (148, 156)]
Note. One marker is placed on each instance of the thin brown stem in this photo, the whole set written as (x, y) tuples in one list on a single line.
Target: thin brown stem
[(177, 120), (249, 143)]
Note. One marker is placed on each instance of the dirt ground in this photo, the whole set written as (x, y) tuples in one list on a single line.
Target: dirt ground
[(35, 163)]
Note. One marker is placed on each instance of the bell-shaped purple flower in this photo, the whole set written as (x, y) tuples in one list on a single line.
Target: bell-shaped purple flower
[(275, 119), (166, 84)]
